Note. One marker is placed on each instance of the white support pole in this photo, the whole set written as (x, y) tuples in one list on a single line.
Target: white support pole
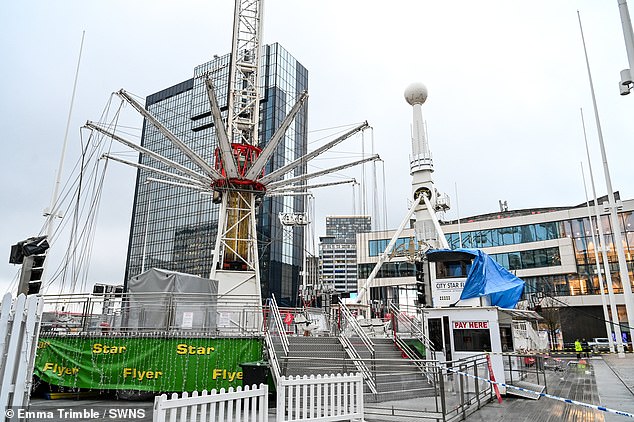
[(383, 256), (614, 218), (442, 240), (606, 315)]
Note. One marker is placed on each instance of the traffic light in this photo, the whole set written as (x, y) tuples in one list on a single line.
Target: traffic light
[(32, 271), (31, 253), (421, 296)]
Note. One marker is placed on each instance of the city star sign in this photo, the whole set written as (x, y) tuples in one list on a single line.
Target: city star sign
[(470, 325)]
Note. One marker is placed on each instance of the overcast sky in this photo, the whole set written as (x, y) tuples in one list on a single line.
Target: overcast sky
[(506, 81)]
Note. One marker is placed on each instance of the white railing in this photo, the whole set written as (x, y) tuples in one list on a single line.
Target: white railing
[(320, 398), (19, 330), (168, 313), (245, 405)]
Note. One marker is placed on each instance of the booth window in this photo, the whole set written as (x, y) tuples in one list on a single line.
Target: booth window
[(435, 332), (472, 340), (506, 337), (453, 269)]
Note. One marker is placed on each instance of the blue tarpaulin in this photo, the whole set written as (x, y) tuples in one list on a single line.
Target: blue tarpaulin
[(485, 278)]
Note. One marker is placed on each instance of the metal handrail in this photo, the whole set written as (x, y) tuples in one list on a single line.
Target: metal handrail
[(352, 352), (279, 324), (415, 330), (273, 361), (359, 363), (352, 323)]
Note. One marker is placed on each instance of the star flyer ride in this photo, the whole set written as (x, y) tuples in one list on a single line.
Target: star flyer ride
[(171, 331)]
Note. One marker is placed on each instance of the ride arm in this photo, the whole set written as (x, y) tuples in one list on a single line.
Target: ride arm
[(261, 161), (172, 164), (196, 159), (283, 170), (224, 145), (307, 187), (157, 171), (322, 172)]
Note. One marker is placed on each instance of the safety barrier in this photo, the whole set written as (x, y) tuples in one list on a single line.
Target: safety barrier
[(541, 394), (19, 330), (320, 398), (247, 405), (166, 313)]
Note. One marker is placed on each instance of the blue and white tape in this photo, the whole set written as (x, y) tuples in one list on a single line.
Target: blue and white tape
[(578, 403)]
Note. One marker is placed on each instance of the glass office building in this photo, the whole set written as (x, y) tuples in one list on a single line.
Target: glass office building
[(551, 249), (174, 227)]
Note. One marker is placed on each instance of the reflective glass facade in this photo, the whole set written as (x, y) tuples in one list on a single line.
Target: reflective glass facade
[(506, 235), (583, 281), (175, 228)]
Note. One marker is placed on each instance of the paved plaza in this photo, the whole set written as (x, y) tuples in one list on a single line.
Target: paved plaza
[(604, 380)]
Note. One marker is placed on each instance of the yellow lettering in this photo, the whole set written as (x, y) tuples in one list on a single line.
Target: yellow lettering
[(140, 375), (185, 349), (99, 348), (60, 370), (217, 373)]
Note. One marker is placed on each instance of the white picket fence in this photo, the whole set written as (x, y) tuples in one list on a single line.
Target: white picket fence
[(320, 398), (239, 405), (19, 330)]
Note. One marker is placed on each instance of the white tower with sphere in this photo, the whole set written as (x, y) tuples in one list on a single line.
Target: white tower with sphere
[(421, 169)]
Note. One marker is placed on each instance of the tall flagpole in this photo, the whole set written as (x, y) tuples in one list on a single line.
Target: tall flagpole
[(51, 213), (606, 315), (612, 206)]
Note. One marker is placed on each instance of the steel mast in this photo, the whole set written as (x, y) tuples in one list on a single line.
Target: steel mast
[(235, 257)]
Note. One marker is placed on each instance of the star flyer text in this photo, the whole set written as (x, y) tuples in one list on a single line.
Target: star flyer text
[(76, 413)]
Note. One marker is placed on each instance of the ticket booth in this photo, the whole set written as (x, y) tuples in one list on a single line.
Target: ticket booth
[(458, 333), (474, 300)]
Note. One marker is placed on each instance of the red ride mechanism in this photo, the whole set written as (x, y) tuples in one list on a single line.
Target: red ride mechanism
[(245, 155)]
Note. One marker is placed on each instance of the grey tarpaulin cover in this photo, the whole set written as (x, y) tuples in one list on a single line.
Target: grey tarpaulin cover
[(162, 298)]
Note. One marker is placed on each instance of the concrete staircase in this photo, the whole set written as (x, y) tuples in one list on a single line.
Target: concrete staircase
[(314, 355), (396, 377)]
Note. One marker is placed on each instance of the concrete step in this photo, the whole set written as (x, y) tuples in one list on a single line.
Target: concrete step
[(399, 395)]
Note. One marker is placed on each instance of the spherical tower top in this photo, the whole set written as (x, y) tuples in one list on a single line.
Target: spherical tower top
[(416, 93)]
